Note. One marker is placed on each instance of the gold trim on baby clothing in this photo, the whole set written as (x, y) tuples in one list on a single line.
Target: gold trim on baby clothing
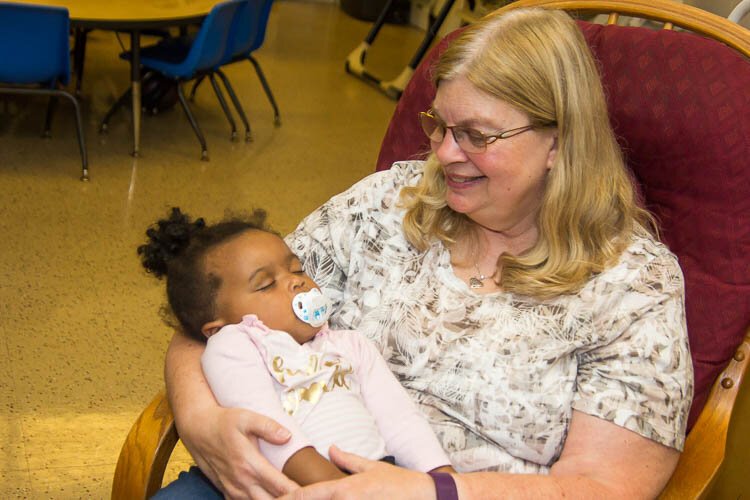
[(309, 382)]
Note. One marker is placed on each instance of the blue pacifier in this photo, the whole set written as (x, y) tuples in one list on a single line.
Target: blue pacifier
[(312, 307)]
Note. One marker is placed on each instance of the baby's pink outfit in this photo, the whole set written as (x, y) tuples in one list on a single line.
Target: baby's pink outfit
[(334, 389)]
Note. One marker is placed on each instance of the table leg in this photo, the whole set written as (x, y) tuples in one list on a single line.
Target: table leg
[(135, 77), (79, 55)]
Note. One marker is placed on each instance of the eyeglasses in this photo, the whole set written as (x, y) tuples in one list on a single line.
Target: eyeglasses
[(469, 139)]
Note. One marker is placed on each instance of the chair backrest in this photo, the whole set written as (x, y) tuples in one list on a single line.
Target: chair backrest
[(210, 44), (680, 107), (249, 29), (34, 46)]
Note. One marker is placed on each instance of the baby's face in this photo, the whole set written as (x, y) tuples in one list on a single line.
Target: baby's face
[(260, 275)]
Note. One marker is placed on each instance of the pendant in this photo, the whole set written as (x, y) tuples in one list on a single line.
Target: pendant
[(475, 282)]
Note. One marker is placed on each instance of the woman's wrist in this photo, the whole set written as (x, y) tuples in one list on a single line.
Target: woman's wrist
[(445, 485)]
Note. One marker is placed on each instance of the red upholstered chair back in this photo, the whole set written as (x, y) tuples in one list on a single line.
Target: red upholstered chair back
[(680, 107)]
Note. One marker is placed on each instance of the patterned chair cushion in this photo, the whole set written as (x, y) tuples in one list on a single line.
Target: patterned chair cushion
[(680, 107)]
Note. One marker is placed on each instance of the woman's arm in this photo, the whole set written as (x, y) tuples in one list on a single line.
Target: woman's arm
[(599, 460), (222, 441)]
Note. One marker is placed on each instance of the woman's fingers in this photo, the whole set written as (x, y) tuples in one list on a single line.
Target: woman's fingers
[(258, 493), (256, 425), (265, 475), (318, 491), (231, 458), (271, 479), (349, 461), (380, 480)]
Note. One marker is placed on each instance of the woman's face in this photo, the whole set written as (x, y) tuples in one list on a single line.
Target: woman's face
[(260, 275), (500, 189)]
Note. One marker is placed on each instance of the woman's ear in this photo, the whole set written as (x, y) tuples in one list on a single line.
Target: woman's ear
[(552, 155), (212, 327)]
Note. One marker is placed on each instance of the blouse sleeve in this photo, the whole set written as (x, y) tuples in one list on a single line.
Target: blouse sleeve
[(238, 377), (640, 376)]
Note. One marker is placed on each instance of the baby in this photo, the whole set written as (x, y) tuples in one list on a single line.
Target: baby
[(269, 349)]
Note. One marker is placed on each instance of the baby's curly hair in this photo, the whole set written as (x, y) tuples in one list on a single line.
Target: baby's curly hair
[(176, 249)]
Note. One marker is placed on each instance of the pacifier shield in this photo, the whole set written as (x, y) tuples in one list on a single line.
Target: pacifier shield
[(312, 307)]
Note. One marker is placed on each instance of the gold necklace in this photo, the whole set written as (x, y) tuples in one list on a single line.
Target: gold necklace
[(477, 281)]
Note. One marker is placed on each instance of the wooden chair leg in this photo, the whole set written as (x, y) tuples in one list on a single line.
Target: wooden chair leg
[(144, 456)]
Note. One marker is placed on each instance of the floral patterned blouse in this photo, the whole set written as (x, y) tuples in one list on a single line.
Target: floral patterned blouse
[(499, 374)]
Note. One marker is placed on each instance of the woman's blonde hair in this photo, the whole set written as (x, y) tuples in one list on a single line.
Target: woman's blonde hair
[(538, 61)]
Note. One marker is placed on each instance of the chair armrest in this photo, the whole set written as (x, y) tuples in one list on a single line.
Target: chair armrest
[(706, 445), (146, 451)]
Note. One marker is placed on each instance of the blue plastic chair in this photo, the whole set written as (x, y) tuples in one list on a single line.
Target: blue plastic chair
[(184, 58), (35, 59), (248, 34)]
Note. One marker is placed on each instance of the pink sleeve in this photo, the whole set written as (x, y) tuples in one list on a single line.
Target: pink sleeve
[(407, 434), (238, 377)]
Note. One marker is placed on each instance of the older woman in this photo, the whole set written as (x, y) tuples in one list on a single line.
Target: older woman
[(511, 282)]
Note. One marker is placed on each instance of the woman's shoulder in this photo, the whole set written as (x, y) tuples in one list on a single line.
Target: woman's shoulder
[(382, 188), (645, 267), (646, 252), (372, 199)]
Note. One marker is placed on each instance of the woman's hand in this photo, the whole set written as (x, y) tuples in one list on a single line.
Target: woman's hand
[(226, 449), (223, 441), (369, 479)]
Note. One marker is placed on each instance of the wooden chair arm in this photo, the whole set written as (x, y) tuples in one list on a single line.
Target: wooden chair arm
[(146, 451), (705, 448), (665, 11)]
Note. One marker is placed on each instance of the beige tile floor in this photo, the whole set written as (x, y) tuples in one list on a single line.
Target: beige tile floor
[(80, 336)]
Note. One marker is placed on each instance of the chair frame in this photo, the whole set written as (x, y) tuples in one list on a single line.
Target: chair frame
[(54, 94), (53, 90), (669, 13), (145, 454), (234, 55), (195, 56), (150, 442)]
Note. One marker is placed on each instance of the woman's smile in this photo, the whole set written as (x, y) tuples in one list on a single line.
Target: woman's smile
[(457, 181)]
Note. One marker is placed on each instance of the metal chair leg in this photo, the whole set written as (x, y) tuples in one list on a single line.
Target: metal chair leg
[(198, 81), (54, 94), (47, 133), (237, 105), (79, 56), (223, 103), (193, 122), (120, 102), (277, 116), (81, 139)]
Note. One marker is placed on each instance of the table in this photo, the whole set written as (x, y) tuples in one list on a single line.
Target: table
[(132, 16)]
